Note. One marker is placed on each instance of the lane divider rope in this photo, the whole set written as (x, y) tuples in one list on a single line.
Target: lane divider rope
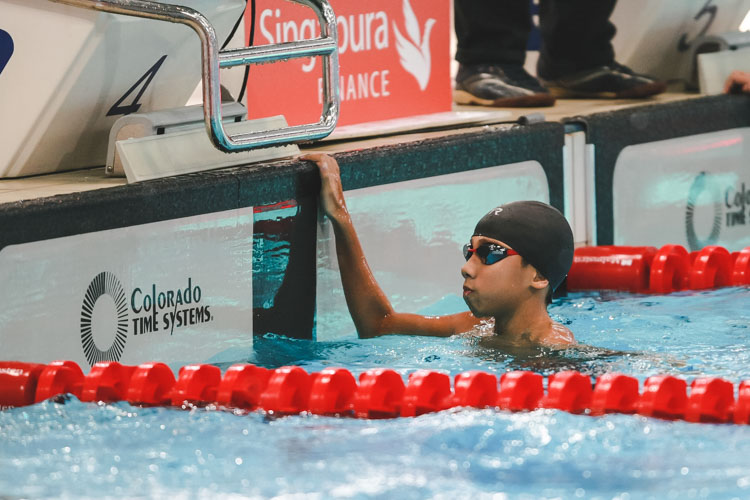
[(644, 269), (379, 393)]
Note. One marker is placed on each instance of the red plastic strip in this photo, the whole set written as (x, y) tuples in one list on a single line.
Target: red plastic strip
[(332, 392), (426, 392), (242, 386), (741, 267), (569, 391), (611, 268), (741, 410), (151, 384), (711, 400), (59, 377), (107, 381), (520, 390), (196, 384), (664, 396), (287, 392), (18, 382), (615, 393), (379, 394), (670, 270), (711, 268), (475, 389)]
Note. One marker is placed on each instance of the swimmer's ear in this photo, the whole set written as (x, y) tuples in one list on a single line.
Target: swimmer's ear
[(539, 282)]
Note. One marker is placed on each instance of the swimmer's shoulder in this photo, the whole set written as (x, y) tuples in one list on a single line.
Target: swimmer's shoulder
[(559, 337)]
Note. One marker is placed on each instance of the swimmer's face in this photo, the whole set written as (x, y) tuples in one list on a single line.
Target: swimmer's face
[(496, 289)]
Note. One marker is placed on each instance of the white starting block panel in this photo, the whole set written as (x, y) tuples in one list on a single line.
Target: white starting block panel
[(189, 151), (715, 68), (74, 72), (659, 38)]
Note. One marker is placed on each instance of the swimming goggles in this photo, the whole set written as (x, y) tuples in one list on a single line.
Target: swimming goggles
[(488, 253)]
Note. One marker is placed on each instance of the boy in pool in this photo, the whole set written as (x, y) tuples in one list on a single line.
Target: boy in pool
[(519, 253)]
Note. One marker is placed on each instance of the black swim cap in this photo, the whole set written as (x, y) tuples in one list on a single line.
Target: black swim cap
[(537, 231)]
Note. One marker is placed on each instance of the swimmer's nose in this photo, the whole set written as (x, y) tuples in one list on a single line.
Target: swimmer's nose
[(467, 270)]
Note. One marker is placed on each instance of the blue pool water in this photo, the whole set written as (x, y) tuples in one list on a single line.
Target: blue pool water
[(87, 450)]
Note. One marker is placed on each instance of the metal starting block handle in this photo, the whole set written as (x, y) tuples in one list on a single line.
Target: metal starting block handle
[(325, 46)]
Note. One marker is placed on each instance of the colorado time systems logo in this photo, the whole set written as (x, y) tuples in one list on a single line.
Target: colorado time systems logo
[(106, 319), (723, 203), (702, 184), (104, 284)]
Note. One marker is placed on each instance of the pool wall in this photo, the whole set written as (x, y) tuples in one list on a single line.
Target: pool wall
[(252, 238), (687, 132)]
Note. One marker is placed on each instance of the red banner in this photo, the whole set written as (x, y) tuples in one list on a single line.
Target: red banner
[(394, 59)]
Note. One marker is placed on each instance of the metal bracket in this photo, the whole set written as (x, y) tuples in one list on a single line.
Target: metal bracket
[(213, 60)]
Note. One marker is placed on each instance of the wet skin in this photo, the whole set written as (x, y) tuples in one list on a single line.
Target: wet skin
[(510, 290)]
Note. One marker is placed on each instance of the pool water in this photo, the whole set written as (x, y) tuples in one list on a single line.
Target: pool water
[(87, 450)]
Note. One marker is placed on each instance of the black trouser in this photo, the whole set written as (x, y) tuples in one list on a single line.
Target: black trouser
[(576, 34)]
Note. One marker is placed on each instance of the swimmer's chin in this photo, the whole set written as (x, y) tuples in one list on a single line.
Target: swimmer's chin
[(477, 314)]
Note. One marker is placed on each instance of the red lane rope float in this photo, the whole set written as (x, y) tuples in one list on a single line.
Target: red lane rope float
[(670, 270), (242, 386), (711, 268), (741, 267), (569, 391), (380, 393), (710, 400), (150, 385), (611, 268), (643, 269), (475, 389), (520, 390), (18, 382), (107, 382), (741, 409), (426, 392), (664, 396), (196, 384), (60, 377), (332, 392), (287, 392), (615, 393)]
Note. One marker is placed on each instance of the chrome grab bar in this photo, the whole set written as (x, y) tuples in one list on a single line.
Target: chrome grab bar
[(213, 59)]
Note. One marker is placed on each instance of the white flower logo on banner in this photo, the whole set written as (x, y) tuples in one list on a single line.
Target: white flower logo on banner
[(415, 53)]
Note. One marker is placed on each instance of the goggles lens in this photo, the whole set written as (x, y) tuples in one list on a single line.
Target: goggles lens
[(488, 253)]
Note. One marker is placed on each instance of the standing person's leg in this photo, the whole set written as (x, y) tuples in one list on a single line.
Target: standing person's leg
[(577, 59), (491, 50), (576, 35), (491, 31)]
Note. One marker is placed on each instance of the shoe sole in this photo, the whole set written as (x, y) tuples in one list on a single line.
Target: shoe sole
[(647, 90), (526, 101)]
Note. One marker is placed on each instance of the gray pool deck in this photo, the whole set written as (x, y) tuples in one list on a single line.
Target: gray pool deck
[(79, 181)]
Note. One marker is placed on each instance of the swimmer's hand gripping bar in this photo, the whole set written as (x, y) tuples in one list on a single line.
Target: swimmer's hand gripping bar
[(213, 59)]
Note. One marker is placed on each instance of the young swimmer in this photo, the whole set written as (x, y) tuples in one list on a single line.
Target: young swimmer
[(519, 253)]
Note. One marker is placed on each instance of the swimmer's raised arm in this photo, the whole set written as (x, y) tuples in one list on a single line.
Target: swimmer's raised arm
[(369, 307)]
